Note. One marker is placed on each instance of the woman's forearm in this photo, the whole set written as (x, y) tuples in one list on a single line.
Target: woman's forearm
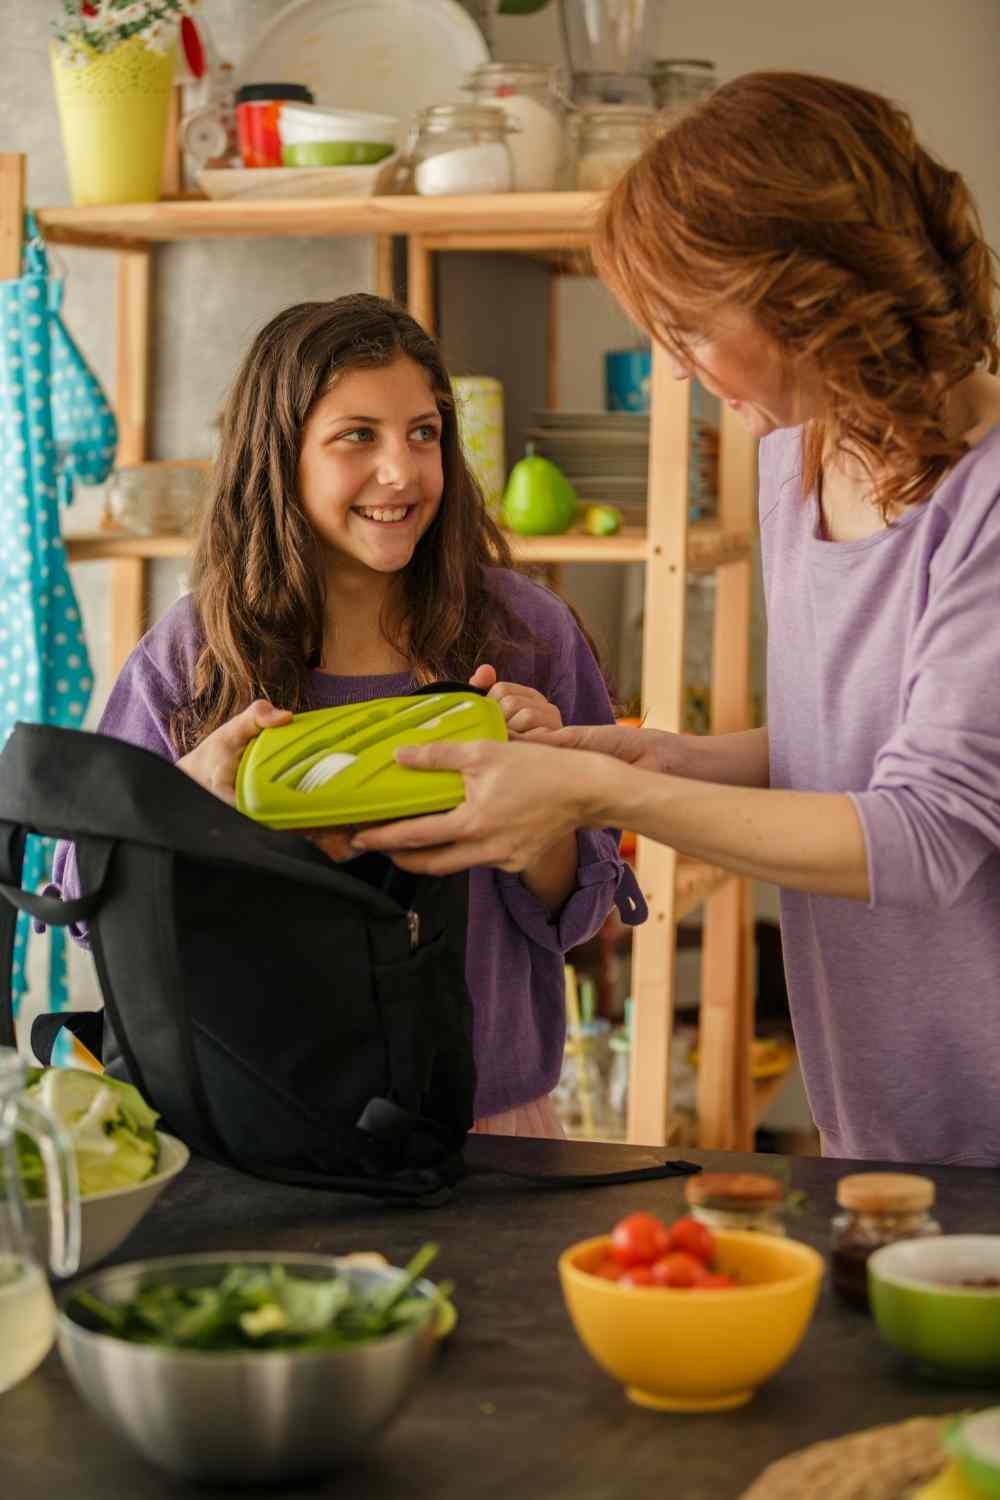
[(737, 759), (806, 841)]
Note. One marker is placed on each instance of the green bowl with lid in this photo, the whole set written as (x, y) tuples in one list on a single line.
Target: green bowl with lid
[(937, 1300)]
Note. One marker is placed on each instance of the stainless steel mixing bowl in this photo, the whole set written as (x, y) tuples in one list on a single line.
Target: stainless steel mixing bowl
[(253, 1417)]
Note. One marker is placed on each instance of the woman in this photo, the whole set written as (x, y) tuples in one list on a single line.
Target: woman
[(793, 245)]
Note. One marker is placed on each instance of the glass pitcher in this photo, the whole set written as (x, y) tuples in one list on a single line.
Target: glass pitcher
[(27, 1314)]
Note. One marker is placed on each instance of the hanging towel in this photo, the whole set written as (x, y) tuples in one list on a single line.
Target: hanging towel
[(56, 426)]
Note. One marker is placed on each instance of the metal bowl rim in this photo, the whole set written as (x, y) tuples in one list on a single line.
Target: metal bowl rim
[(69, 1327)]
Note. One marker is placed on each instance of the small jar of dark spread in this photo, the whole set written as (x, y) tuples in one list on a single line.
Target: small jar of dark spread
[(878, 1209)]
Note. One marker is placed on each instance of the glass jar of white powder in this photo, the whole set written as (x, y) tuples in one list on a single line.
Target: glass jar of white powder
[(462, 148), (532, 98)]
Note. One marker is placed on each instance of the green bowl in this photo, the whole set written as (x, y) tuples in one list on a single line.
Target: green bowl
[(921, 1307), (335, 153), (974, 1443)]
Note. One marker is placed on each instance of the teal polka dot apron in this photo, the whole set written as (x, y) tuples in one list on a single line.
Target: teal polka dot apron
[(56, 426)]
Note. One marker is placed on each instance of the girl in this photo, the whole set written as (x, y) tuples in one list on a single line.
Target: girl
[(347, 555), (792, 244)]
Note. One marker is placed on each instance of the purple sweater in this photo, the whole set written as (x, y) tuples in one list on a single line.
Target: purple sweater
[(514, 963), (884, 683)]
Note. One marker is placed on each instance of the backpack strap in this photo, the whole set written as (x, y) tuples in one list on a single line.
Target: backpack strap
[(553, 1163), (48, 909)]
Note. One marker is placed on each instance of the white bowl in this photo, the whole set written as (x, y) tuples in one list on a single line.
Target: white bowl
[(298, 182), (299, 123), (106, 1218)]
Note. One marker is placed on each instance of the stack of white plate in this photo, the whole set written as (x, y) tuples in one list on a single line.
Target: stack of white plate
[(604, 454)]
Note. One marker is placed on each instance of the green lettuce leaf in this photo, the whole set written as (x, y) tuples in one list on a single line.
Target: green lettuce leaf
[(112, 1128)]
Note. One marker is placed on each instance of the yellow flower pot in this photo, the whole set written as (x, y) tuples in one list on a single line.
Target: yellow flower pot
[(113, 109)]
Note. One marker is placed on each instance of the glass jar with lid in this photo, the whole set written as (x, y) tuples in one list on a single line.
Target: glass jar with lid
[(532, 98), (608, 141), (878, 1209), (737, 1200), (462, 148), (679, 82)]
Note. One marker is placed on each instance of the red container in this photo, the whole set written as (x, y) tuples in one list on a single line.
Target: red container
[(258, 106)]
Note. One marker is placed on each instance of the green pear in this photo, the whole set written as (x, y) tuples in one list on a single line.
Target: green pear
[(539, 500)]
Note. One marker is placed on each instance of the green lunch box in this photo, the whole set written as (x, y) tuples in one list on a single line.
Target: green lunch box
[(335, 765)]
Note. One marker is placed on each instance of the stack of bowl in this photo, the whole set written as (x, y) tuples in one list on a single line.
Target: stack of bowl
[(320, 136)]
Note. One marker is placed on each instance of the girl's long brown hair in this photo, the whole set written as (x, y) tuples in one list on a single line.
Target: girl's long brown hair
[(810, 204), (259, 580)]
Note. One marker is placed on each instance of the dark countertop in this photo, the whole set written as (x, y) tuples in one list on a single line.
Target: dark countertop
[(514, 1406)]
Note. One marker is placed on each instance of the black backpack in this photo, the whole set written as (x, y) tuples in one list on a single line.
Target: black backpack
[(299, 1019)]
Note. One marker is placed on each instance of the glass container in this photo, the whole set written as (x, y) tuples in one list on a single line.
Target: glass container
[(591, 90), (679, 82), (878, 1209), (737, 1200), (27, 1314), (608, 36), (532, 98), (462, 148), (608, 141)]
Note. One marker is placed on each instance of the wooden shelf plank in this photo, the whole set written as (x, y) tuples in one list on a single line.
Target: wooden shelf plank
[(505, 216), (98, 546), (628, 545), (708, 546), (695, 881)]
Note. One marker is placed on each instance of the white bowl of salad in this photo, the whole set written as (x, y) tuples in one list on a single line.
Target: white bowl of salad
[(123, 1162)]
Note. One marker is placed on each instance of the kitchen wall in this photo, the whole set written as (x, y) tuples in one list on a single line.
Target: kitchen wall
[(210, 298)]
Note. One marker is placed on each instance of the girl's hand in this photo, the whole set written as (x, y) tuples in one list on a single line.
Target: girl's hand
[(334, 842), (524, 709), (214, 762), (520, 799)]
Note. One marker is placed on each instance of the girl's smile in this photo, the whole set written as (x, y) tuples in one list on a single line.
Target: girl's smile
[(370, 475)]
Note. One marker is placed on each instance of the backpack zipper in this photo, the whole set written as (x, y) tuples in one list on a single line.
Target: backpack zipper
[(413, 923)]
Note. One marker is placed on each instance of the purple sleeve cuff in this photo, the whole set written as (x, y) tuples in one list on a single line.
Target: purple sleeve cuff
[(602, 880), (65, 885), (919, 855)]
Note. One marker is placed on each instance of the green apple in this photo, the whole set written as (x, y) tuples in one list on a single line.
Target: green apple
[(539, 500), (602, 520)]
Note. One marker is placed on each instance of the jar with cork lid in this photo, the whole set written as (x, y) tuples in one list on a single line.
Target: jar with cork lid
[(878, 1209)]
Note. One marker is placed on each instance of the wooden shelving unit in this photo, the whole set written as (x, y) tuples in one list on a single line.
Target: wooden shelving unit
[(554, 228)]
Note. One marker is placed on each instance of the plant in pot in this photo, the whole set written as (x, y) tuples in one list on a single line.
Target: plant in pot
[(113, 68)]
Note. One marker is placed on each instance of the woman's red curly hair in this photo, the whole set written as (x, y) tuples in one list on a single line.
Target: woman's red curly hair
[(810, 204)]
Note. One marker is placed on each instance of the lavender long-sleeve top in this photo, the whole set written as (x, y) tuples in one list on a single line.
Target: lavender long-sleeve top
[(514, 963), (884, 683)]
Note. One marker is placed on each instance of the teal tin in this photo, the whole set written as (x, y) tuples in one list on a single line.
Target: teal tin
[(628, 378)]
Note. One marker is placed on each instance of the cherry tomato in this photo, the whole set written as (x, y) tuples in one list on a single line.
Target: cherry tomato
[(713, 1281), (637, 1276), (677, 1268), (693, 1237), (609, 1269), (639, 1239)]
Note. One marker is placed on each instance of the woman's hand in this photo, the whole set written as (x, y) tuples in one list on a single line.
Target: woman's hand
[(524, 709), (647, 749), (520, 799), (213, 763)]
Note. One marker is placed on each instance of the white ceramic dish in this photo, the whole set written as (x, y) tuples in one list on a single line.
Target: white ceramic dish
[(394, 55), (298, 182), (106, 1218), (298, 123)]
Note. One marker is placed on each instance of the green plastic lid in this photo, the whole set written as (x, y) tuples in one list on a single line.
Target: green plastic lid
[(336, 766)]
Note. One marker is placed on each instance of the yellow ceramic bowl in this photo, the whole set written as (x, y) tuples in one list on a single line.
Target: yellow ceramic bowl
[(691, 1350)]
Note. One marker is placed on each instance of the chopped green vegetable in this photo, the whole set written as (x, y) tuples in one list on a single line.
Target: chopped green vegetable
[(264, 1307), (112, 1128)]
